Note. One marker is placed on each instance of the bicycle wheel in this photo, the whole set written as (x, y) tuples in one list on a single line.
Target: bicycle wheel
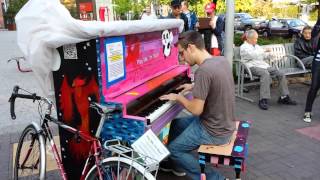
[(119, 168), (30, 160)]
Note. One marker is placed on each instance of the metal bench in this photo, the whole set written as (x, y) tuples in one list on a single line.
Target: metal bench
[(232, 154), (281, 57)]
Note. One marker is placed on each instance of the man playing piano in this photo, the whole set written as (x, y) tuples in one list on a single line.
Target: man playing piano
[(212, 107)]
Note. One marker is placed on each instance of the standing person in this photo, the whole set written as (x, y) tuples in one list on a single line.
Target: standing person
[(303, 47), (253, 56), (315, 81), (147, 15), (212, 106), (177, 13), (193, 22), (210, 11)]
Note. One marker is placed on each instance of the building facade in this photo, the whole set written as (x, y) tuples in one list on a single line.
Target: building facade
[(87, 10)]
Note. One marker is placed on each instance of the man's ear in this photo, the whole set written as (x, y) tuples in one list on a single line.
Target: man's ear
[(192, 47)]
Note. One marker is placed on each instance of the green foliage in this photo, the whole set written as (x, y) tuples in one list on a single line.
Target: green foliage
[(262, 40), (284, 10), (166, 2), (262, 8), (240, 5), (243, 5), (133, 6), (314, 15), (237, 39), (14, 7), (221, 6), (123, 6)]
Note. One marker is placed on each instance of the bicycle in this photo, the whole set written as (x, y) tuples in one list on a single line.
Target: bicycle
[(127, 164)]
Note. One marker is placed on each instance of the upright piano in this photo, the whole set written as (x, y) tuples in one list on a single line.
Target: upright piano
[(131, 71), (151, 69)]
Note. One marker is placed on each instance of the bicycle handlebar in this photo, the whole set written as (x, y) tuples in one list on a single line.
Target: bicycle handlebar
[(15, 95), (104, 109)]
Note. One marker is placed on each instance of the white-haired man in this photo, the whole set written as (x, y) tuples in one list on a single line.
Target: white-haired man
[(253, 56)]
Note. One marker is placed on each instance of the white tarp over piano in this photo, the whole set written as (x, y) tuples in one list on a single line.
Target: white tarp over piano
[(44, 25)]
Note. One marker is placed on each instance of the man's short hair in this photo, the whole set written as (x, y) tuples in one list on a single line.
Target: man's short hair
[(306, 28), (191, 37), (175, 3), (250, 33)]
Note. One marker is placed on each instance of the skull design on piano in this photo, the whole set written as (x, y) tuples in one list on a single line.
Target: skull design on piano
[(167, 38)]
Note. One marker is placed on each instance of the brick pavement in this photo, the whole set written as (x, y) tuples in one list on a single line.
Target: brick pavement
[(276, 149)]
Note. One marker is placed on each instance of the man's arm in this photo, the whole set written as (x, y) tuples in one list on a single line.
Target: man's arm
[(297, 49)]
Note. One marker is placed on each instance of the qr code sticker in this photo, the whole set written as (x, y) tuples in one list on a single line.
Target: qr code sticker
[(70, 51)]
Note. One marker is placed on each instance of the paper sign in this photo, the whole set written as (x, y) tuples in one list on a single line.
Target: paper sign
[(115, 57), (150, 145)]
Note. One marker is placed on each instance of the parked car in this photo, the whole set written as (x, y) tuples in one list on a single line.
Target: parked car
[(244, 21), (288, 28)]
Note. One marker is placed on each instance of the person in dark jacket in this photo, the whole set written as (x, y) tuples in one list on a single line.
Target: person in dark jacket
[(193, 22), (177, 13), (315, 70), (303, 47)]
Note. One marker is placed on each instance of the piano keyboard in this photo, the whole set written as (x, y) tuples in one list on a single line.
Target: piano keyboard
[(150, 106), (159, 111)]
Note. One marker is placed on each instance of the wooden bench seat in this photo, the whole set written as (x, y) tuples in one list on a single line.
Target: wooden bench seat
[(232, 154)]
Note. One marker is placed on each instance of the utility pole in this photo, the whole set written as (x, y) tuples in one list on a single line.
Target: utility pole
[(229, 34)]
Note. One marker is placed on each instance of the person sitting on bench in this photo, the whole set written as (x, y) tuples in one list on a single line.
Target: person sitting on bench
[(253, 56), (303, 47)]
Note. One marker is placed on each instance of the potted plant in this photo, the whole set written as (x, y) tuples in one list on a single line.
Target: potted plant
[(13, 9)]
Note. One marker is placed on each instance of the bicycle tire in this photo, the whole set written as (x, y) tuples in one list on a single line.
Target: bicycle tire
[(138, 170), (36, 144)]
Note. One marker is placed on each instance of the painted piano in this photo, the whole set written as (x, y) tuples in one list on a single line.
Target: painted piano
[(131, 71)]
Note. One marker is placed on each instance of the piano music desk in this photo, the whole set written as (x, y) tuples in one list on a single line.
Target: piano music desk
[(232, 154)]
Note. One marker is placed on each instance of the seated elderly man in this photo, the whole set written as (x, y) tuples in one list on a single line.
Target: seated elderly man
[(303, 47), (253, 56)]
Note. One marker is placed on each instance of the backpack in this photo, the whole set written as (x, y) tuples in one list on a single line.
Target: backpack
[(220, 25)]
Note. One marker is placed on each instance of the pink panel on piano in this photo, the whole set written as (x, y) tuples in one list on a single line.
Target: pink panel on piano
[(144, 60), (149, 85)]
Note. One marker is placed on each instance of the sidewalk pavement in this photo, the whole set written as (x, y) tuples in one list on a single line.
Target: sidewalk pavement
[(281, 145)]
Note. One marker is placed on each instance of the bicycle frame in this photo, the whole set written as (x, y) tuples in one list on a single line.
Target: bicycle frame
[(95, 149), (44, 134)]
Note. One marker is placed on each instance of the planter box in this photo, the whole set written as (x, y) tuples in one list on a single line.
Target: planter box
[(11, 27)]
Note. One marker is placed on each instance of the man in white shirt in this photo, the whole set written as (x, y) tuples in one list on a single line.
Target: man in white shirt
[(253, 56), (148, 15)]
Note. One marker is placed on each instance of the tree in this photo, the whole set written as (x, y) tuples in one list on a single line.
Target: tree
[(314, 1), (240, 5), (13, 8), (123, 6), (262, 8)]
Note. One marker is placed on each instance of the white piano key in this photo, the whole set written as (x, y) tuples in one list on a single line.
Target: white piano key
[(162, 109)]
